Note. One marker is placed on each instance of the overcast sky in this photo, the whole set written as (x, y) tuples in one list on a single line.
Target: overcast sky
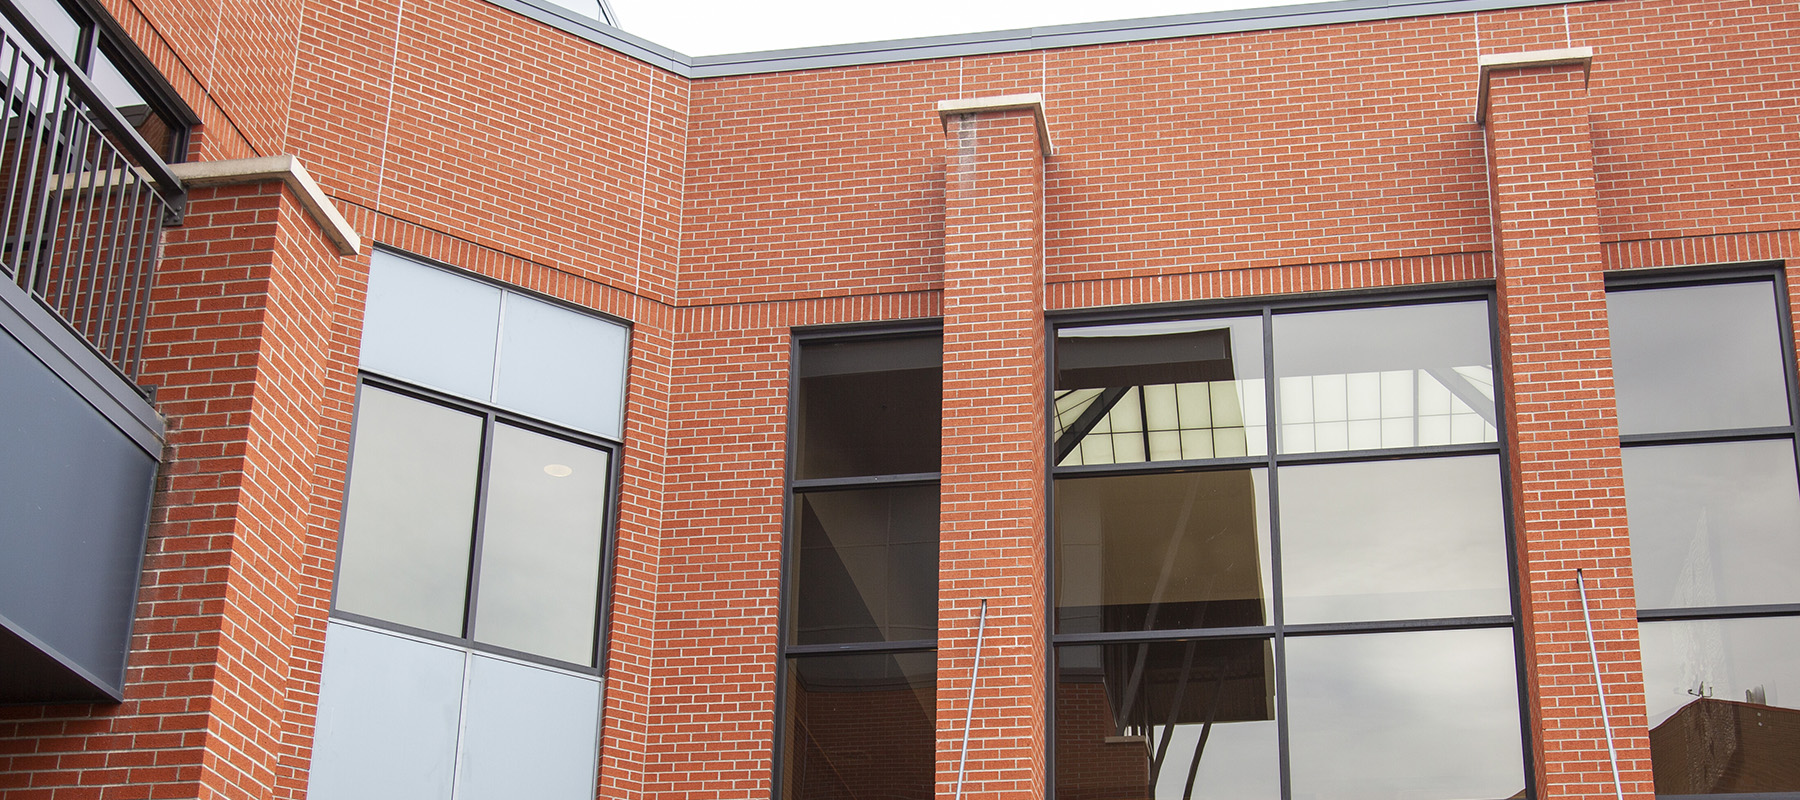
[(710, 27)]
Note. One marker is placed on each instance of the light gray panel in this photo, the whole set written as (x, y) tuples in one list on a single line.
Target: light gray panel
[(562, 366), (387, 722), (528, 732), (430, 326)]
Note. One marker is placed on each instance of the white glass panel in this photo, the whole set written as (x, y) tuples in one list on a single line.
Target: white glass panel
[(562, 366), (528, 732), (430, 326), (540, 555), (387, 719)]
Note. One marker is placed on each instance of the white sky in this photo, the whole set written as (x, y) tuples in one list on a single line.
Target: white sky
[(711, 27)]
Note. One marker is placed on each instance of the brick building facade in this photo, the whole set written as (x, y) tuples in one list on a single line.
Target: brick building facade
[(1281, 214)]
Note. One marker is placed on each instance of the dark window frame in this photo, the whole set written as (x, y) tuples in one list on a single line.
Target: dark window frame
[(491, 418), (1278, 632), (796, 486)]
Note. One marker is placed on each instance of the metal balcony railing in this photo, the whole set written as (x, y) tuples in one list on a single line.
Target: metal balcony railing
[(85, 198)]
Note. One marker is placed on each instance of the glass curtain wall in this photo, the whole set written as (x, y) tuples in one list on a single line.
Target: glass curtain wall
[(1704, 374), (858, 692), (1281, 559)]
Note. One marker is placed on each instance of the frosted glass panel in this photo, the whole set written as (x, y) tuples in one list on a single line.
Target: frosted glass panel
[(528, 732), (540, 556), (429, 326), (561, 366), (408, 520), (387, 718)]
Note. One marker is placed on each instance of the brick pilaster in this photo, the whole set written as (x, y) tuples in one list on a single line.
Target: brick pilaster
[(992, 530), (1568, 487)]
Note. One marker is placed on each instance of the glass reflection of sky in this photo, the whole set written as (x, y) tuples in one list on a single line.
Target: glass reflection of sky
[(1719, 658)]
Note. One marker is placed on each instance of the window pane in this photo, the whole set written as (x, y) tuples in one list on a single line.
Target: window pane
[(1698, 358), (865, 566), (1393, 540), (869, 408), (408, 521), (1372, 378), (528, 732), (1191, 719), (1160, 391), (388, 714), (540, 552), (1159, 552), (1714, 524), (561, 366), (1724, 704), (1427, 716), (430, 326), (861, 726)]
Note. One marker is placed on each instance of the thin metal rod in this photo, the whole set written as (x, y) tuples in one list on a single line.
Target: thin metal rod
[(1612, 751), (962, 763)]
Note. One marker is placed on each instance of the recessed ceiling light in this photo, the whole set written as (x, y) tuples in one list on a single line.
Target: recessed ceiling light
[(558, 470)]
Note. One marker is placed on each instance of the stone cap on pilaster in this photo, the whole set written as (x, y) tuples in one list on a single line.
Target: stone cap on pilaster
[(286, 169), (1009, 102), (1536, 58)]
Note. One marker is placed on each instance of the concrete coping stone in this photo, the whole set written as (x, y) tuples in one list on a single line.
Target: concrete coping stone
[(1535, 58), (1007, 102), (288, 170)]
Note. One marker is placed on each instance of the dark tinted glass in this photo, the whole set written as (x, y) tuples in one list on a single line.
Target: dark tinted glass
[(1714, 524), (1167, 720), (1402, 376), (409, 517), (869, 408), (545, 520), (1723, 698), (860, 726), (865, 568), (1403, 539), (1150, 552), (1696, 358), (1431, 716), (1159, 391)]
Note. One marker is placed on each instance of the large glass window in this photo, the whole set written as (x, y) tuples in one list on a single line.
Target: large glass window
[(1703, 372), (1287, 588), (859, 702), (473, 558)]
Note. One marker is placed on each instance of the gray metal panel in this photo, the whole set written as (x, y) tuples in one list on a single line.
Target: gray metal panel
[(62, 350), (528, 732), (1011, 41), (388, 713), (75, 502)]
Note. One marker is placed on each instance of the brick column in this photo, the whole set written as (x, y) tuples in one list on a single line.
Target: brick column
[(992, 530), (1568, 489)]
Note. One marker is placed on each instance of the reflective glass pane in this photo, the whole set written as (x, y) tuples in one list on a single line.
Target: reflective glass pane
[(1159, 552), (1159, 391), (528, 732), (1401, 539), (1724, 704), (861, 726), (869, 408), (1428, 716), (561, 366), (388, 718), (409, 518), (1697, 358), (545, 519), (1373, 378), (430, 326), (1173, 720), (865, 566), (1714, 524)]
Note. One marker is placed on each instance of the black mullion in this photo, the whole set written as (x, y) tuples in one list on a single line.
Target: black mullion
[(460, 643), (852, 648), (1277, 610), (1372, 297), (1718, 612), (337, 563), (1704, 437), (1391, 453), (784, 583), (864, 481), (1170, 635), (473, 592), (1515, 589), (1159, 467), (608, 549), (1397, 625)]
